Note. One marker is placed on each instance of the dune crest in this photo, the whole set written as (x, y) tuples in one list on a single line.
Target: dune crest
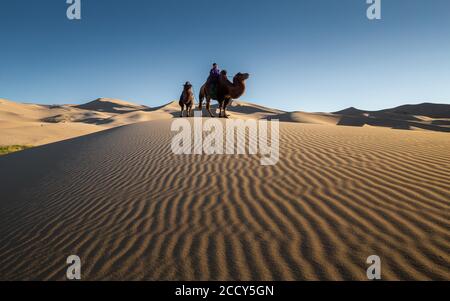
[(425, 116), (110, 105), (30, 124)]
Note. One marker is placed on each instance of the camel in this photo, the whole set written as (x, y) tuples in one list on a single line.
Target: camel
[(226, 92), (187, 99)]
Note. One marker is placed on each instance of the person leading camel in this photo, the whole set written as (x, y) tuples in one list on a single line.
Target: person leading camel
[(187, 99)]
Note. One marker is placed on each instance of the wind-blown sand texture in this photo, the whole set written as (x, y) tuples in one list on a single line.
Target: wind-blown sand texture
[(132, 210), (30, 124)]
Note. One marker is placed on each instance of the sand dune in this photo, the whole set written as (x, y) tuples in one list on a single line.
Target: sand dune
[(424, 109), (132, 210), (110, 105), (311, 118), (426, 116), (29, 124)]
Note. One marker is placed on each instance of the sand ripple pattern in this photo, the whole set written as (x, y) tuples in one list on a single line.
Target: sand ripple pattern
[(132, 210)]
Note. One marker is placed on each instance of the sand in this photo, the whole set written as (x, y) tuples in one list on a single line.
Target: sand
[(132, 210), (35, 125), (30, 124)]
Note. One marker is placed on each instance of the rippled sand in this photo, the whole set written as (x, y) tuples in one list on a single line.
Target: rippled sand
[(132, 210)]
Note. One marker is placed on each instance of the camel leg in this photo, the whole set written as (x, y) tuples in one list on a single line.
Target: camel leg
[(182, 109), (222, 105), (225, 112), (225, 105), (208, 107), (221, 109)]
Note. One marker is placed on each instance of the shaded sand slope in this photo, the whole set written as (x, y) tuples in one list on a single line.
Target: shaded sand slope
[(425, 116), (131, 210), (424, 109)]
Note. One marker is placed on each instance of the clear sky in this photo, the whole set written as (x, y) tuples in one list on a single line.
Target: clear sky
[(312, 55)]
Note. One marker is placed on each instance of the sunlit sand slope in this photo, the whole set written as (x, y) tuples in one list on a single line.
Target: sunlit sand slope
[(132, 210)]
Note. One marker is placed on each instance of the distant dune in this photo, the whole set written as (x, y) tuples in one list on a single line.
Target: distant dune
[(311, 118), (110, 105), (425, 109), (132, 210), (29, 124), (426, 116)]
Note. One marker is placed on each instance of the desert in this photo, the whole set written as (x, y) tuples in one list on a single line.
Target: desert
[(101, 182)]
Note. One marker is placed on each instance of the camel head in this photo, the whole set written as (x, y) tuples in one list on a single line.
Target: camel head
[(241, 77), (187, 86)]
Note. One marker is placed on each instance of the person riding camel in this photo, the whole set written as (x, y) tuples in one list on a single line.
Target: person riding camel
[(213, 79), (215, 71)]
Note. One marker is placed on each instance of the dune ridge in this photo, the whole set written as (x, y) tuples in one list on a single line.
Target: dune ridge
[(111, 105), (30, 124), (134, 211)]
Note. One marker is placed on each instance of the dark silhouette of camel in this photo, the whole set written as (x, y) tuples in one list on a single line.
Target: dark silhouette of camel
[(226, 91), (187, 99)]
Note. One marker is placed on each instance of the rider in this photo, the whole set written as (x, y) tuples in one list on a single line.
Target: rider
[(213, 79), (215, 72)]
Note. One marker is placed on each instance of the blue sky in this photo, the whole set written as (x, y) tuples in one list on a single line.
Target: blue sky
[(314, 55)]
